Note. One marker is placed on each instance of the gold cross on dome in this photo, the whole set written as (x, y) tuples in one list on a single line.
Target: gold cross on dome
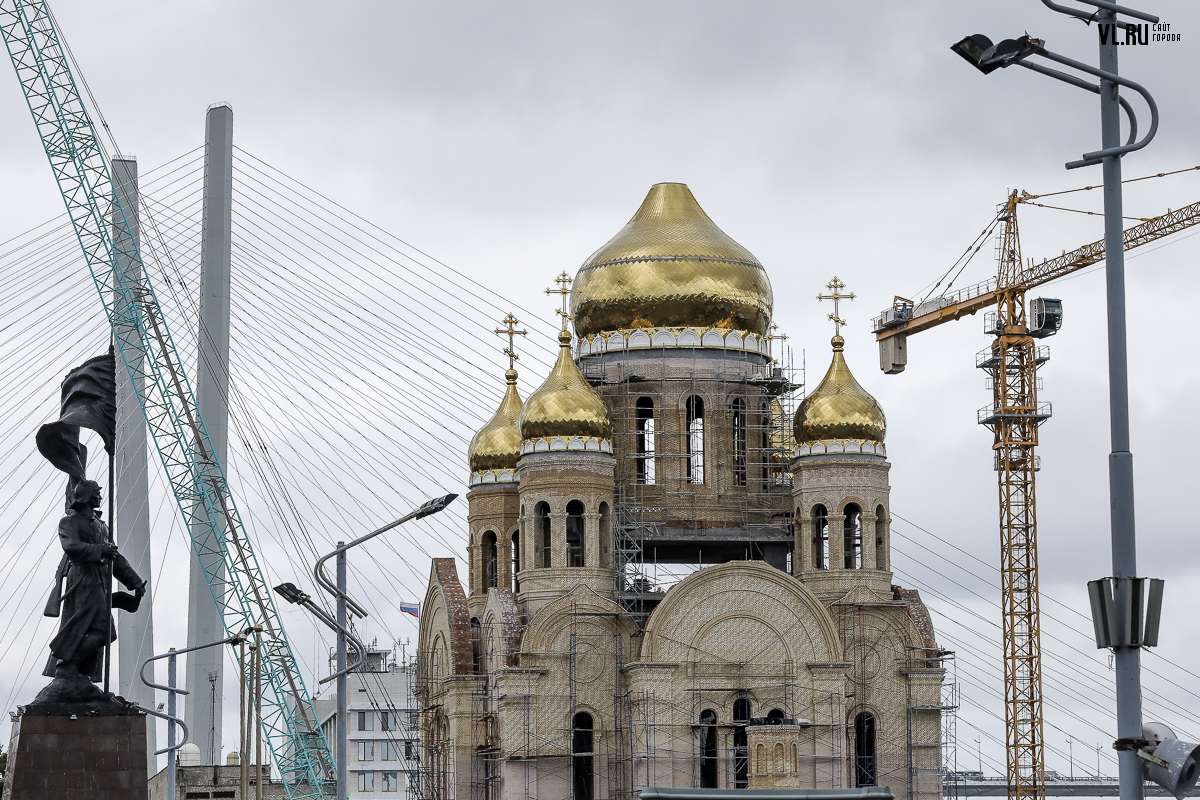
[(564, 282), (510, 322), (835, 295)]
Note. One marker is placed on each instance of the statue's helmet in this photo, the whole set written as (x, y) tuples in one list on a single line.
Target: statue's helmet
[(86, 494)]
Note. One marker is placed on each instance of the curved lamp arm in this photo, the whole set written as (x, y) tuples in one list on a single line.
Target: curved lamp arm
[(1104, 4), (1096, 156), (1091, 87)]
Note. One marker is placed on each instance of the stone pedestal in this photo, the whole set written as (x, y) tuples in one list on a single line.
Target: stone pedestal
[(91, 751)]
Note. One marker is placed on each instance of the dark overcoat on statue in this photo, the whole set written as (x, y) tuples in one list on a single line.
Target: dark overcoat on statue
[(85, 602)]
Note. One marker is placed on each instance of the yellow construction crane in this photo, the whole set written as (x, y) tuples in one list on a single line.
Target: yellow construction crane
[(1014, 415)]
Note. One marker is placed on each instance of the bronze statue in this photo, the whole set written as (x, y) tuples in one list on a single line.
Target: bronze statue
[(86, 626)]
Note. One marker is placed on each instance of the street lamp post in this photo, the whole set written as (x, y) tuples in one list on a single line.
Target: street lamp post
[(171, 690), (988, 57), (346, 605)]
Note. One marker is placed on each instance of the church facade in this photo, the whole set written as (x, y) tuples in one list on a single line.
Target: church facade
[(779, 654)]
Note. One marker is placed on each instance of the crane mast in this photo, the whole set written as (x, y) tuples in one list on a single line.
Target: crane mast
[(1012, 362), (148, 353)]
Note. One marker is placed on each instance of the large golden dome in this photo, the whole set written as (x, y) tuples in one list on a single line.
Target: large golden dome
[(497, 445), (839, 408), (565, 405), (671, 266)]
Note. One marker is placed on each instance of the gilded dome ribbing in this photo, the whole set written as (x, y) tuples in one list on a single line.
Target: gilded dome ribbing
[(839, 408), (671, 266), (565, 405), (497, 445)]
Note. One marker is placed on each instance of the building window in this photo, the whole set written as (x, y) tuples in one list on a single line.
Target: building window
[(414, 719), (581, 762), (516, 560), (852, 537), (411, 751), (366, 720), (880, 538), (820, 537), (389, 752), (390, 781), (695, 440), (387, 721), (491, 568), (366, 781), (476, 645), (741, 754), (542, 514), (738, 410), (605, 534), (864, 749), (575, 539), (708, 745), (645, 441), (366, 751)]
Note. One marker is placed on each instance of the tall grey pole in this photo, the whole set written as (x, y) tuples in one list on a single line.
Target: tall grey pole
[(131, 509), (1120, 461), (205, 668), (342, 788), (172, 756)]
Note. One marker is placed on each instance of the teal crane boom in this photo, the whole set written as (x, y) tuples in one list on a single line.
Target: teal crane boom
[(197, 480)]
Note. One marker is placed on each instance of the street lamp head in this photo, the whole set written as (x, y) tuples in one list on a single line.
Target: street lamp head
[(289, 592), (434, 506), (986, 57)]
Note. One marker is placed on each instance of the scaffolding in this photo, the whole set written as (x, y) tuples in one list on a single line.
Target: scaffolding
[(657, 495)]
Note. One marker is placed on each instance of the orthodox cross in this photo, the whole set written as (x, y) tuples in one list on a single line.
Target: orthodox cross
[(510, 322), (564, 282), (835, 295)]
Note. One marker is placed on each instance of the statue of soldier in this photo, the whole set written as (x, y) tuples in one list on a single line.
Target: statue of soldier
[(86, 626)]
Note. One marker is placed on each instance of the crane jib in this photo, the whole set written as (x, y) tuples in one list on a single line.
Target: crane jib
[(197, 479), (1034, 275)]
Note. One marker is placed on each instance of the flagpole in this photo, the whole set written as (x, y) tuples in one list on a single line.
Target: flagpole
[(112, 536)]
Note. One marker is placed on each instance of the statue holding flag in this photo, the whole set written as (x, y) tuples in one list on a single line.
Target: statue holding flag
[(90, 557)]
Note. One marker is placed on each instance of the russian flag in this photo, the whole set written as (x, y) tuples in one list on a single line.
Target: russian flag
[(415, 610)]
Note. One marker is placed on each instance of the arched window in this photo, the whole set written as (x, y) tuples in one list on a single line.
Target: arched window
[(864, 749), (575, 543), (738, 410), (780, 766), (645, 441), (741, 756), (852, 537), (491, 568), (708, 745), (695, 439), (775, 716), (880, 538), (760, 759), (516, 560), (605, 534), (476, 645), (581, 761), (541, 513), (820, 537)]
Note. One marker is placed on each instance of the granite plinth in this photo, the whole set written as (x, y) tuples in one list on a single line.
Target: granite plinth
[(91, 751)]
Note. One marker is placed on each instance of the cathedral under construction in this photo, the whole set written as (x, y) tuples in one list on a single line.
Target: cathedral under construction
[(780, 655)]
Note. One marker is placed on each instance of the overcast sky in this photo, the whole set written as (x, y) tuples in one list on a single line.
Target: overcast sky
[(510, 140)]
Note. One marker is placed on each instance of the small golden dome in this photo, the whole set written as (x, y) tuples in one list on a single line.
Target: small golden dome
[(671, 266), (839, 408), (565, 405), (497, 445)]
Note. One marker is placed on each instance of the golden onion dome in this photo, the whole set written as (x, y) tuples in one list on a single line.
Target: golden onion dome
[(565, 405), (497, 445), (671, 266), (839, 408)]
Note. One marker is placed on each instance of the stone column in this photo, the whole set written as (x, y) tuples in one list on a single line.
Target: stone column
[(131, 506), (558, 539), (837, 541), (868, 540)]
